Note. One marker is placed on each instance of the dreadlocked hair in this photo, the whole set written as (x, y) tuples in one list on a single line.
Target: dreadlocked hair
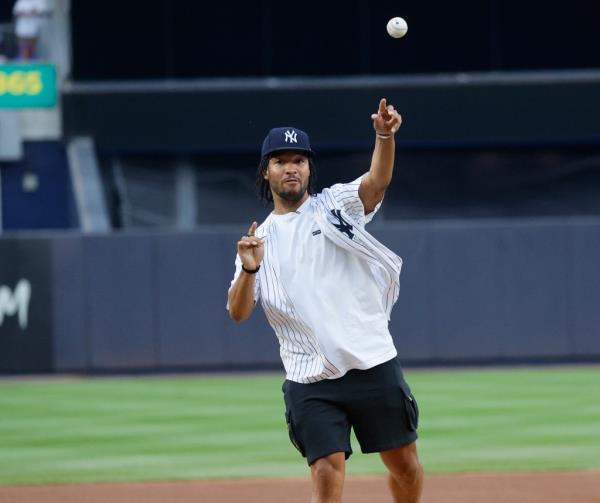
[(263, 188)]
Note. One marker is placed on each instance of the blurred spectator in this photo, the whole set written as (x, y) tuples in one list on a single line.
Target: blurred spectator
[(29, 15)]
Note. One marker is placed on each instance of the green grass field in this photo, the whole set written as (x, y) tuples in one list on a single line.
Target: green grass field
[(160, 428)]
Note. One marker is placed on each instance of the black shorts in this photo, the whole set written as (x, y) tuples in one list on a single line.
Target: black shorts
[(376, 402)]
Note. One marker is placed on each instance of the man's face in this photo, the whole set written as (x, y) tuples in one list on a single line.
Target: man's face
[(288, 173)]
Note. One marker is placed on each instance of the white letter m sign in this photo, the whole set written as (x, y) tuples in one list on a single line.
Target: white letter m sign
[(15, 302)]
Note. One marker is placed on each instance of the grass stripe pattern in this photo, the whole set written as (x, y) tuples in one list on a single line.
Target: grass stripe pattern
[(200, 427)]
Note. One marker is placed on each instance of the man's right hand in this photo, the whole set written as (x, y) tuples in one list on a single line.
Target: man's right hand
[(251, 249)]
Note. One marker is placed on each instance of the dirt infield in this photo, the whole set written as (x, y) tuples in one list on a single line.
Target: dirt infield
[(555, 487)]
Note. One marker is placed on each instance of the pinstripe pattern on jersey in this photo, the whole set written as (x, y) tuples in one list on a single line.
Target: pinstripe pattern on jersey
[(302, 357), (362, 244), (301, 354)]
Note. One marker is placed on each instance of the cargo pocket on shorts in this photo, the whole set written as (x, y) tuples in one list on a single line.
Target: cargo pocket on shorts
[(292, 434), (411, 406)]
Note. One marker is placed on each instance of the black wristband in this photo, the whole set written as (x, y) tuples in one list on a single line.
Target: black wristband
[(250, 271)]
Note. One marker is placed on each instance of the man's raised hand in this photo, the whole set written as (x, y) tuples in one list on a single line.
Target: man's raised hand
[(251, 249), (387, 120)]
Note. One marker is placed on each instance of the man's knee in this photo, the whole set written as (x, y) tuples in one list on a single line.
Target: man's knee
[(410, 470), (403, 464), (328, 470)]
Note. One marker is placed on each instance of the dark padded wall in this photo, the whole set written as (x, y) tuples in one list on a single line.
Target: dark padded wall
[(484, 291), (536, 283), (69, 293), (584, 302), (190, 307), (412, 318), (487, 290), (464, 290), (121, 290)]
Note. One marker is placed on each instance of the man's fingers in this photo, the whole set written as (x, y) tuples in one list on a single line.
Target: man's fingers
[(252, 229), (242, 245), (394, 117), (249, 242), (390, 117), (382, 105)]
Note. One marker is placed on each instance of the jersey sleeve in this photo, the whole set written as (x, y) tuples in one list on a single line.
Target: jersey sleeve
[(346, 195), (238, 271)]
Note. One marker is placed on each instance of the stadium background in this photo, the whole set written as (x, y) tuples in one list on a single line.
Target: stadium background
[(121, 205)]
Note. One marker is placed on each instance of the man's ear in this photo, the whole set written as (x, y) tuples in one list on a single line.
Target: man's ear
[(266, 173)]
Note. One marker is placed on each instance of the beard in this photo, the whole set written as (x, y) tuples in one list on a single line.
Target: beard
[(291, 195)]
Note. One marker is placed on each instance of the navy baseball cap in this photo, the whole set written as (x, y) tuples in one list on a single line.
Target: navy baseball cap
[(286, 138)]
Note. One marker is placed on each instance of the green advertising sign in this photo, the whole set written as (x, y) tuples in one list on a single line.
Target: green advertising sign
[(27, 86)]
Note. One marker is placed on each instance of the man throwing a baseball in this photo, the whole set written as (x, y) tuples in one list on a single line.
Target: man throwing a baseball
[(327, 288)]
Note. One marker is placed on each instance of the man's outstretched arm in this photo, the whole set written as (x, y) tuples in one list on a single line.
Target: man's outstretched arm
[(373, 185)]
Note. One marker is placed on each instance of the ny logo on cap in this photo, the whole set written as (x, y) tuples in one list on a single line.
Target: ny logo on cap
[(291, 136)]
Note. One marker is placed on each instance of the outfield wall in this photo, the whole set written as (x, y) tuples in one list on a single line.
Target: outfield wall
[(476, 291)]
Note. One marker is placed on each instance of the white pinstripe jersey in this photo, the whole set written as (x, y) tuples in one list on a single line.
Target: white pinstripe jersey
[(326, 286)]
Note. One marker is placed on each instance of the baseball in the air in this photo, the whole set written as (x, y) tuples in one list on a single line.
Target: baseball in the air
[(397, 27)]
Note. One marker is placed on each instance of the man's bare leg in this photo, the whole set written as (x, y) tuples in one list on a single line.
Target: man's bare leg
[(405, 473), (328, 475)]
